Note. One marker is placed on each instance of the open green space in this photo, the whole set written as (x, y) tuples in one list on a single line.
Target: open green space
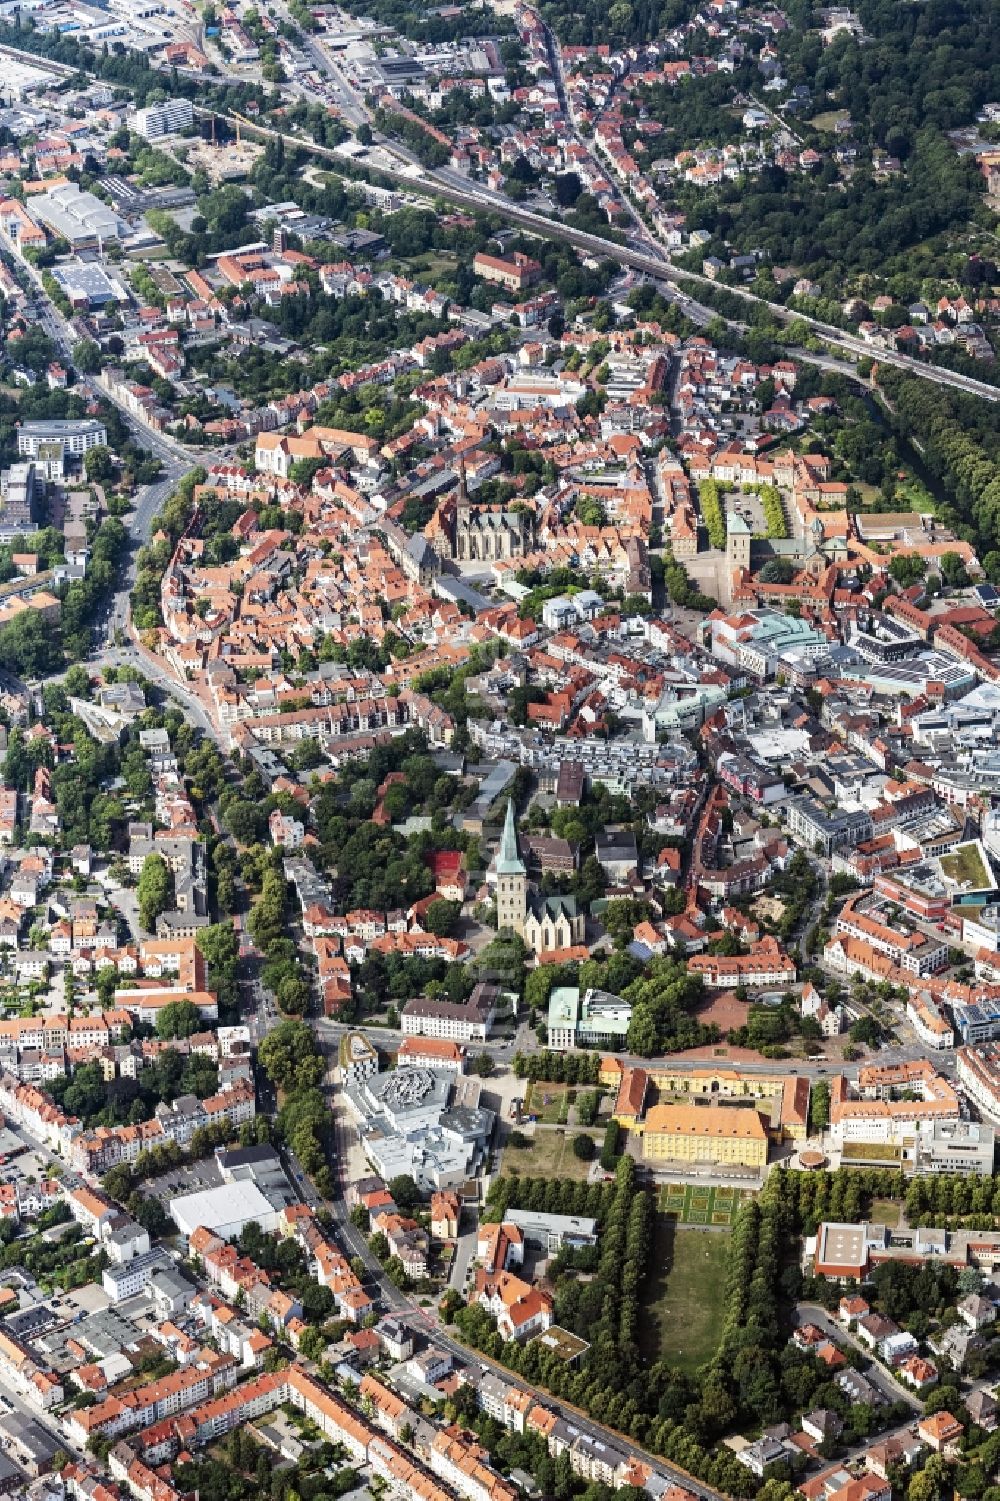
[(549, 1102), (965, 866), (872, 1151), (682, 1302), (915, 494), (550, 1155), (828, 119), (700, 1204), (885, 1212)]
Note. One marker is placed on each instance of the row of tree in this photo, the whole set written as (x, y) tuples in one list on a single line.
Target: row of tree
[(757, 1377), (558, 1068), (548, 1196), (283, 972), (960, 446), (294, 1065), (712, 513)]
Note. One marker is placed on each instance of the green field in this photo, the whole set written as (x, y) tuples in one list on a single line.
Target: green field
[(694, 1204), (550, 1155), (550, 1102), (682, 1303)]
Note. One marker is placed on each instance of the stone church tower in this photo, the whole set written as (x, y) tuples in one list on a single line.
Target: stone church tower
[(738, 538), (512, 879)]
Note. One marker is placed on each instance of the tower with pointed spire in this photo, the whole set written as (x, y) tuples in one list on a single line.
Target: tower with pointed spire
[(512, 878)]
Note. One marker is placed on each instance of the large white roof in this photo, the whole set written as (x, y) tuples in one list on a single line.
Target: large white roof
[(215, 1208)]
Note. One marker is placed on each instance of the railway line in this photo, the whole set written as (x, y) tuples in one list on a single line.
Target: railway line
[(401, 166), (660, 268)]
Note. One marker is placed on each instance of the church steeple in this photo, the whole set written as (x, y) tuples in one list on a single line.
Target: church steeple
[(512, 878), (509, 860), (463, 485)]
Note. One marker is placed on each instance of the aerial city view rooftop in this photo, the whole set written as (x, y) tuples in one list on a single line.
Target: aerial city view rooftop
[(499, 750)]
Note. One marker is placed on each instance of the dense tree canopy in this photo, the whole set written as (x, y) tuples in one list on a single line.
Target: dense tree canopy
[(155, 890), (289, 1057)]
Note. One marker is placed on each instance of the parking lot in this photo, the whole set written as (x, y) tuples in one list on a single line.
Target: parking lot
[(184, 1180), (746, 504)]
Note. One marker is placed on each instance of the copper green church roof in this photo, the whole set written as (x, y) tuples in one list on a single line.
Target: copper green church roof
[(509, 862)]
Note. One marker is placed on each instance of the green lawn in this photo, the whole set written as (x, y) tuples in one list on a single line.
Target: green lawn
[(885, 1212), (695, 1204), (683, 1306), (550, 1155), (828, 120), (964, 866), (872, 1151), (550, 1102), (915, 494)]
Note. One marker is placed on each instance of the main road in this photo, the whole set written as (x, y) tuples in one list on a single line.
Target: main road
[(176, 459), (330, 1031), (166, 449), (426, 1322)]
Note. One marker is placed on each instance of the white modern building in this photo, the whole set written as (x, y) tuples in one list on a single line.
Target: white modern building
[(130, 1278), (983, 931), (19, 80), (424, 1122), (75, 436), (77, 217), (358, 1059), (224, 1210), (165, 119), (550, 1232)]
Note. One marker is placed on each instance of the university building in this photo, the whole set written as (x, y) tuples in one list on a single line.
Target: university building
[(731, 1135)]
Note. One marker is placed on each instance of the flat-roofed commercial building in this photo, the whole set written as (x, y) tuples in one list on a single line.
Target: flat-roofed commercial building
[(597, 1019), (844, 1250), (224, 1210), (20, 80), (89, 285), (957, 1147), (77, 217)]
